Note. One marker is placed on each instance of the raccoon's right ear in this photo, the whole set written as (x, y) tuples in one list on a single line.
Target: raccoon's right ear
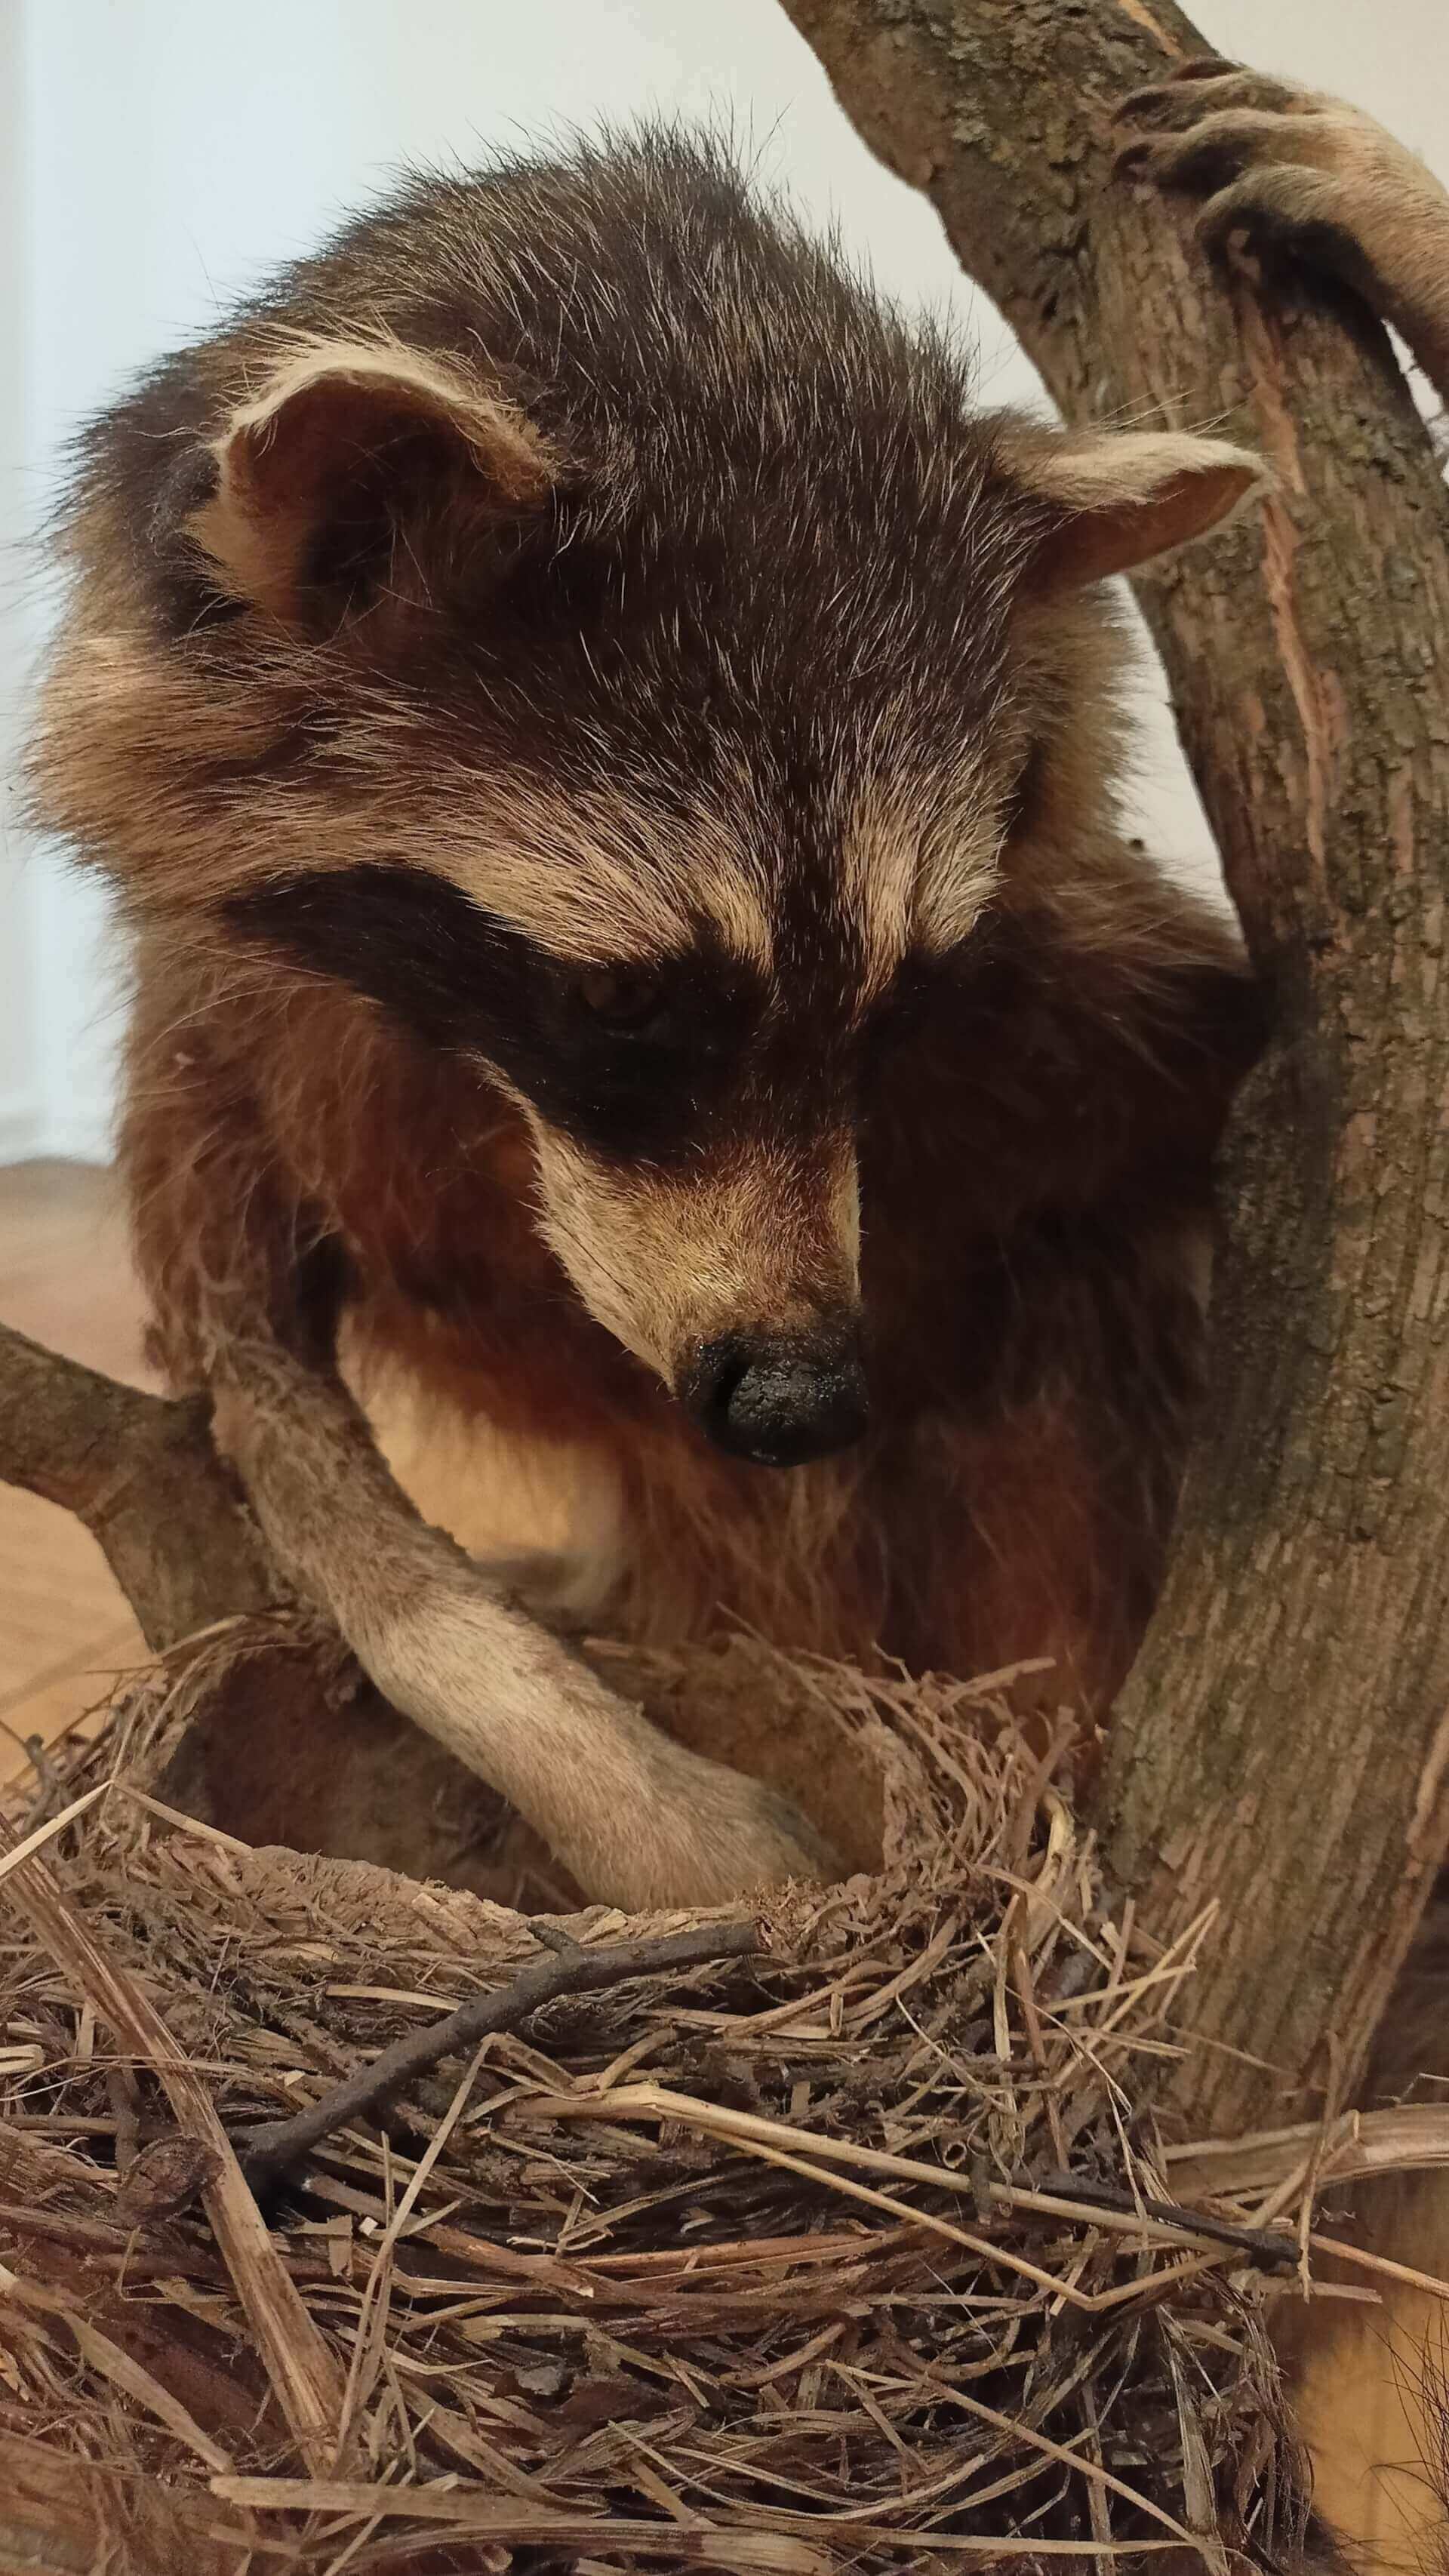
[(1110, 501), (357, 461)]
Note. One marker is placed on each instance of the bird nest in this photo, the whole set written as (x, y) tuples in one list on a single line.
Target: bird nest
[(843, 2248)]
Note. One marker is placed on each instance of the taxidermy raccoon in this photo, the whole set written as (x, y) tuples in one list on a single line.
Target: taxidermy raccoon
[(611, 765)]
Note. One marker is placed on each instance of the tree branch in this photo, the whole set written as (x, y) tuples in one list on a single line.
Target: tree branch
[(1283, 1743), (142, 1474)]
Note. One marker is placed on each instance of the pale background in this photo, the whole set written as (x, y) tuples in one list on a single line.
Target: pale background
[(157, 156)]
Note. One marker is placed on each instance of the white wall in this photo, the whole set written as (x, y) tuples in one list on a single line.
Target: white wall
[(19, 1101), (156, 156)]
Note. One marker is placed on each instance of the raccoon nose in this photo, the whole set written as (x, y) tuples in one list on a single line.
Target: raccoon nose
[(778, 1402)]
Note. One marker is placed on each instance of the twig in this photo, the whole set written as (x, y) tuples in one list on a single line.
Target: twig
[(50, 1785), (1412, 2137), (18, 1853), (1263, 2246), (1405, 2272), (474, 2513), (1081, 2202), (269, 2151), (125, 2101)]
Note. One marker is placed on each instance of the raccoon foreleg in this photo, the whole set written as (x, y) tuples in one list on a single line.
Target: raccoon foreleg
[(638, 1821), (1309, 176)]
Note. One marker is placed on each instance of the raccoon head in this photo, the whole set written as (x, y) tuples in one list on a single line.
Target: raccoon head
[(658, 748)]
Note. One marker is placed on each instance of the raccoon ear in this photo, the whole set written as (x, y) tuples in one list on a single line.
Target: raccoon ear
[(351, 447), (1119, 498)]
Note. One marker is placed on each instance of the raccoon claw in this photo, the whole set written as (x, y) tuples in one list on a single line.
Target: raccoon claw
[(1288, 214), (1203, 88), (1216, 151), (1279, 168)]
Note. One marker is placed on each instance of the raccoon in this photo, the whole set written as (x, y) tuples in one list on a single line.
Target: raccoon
[(611, 764)]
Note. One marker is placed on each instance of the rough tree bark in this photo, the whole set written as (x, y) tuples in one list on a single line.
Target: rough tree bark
[(1282, 1742), (141, 1472)]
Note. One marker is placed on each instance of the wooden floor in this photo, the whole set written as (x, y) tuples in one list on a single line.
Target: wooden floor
[(64, 1278), (65, 1631)]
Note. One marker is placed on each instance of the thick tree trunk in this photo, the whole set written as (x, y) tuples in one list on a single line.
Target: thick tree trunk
[(1283, 1744)]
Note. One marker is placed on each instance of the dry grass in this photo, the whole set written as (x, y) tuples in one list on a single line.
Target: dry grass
[(794, 2265)]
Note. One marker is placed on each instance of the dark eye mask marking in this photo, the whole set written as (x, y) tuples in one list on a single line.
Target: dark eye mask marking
[(411, 943), (459, 978)]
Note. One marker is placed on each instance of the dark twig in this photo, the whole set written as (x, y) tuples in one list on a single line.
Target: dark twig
[(1264, 2247), (124, 2097), (554, 1937), (52, 1793), (269, 2152)]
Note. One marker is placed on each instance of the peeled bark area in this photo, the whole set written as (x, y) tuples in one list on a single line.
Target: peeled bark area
[(1281, 1746)]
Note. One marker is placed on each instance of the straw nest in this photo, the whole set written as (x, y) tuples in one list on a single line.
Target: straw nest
[(848, 2253)]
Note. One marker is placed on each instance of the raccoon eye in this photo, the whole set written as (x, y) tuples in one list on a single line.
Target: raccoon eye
[(628, 999)]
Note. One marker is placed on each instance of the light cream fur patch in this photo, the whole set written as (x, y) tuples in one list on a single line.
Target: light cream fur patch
[(757, 1241), (593, 874), (918, 867)]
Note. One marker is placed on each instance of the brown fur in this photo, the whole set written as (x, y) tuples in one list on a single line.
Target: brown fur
[(629, 592)]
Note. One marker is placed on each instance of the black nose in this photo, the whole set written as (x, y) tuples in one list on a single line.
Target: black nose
[(778, 1402)]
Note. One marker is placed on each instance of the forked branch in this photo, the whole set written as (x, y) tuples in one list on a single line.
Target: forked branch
[(142, 1474)]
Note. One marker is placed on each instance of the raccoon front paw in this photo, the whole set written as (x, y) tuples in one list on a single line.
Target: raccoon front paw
[(637, 1820), (1291, 173), (721, 1835)]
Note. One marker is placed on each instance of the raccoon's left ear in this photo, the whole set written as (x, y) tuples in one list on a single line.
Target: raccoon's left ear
[(355, 462), (1116, 499)]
